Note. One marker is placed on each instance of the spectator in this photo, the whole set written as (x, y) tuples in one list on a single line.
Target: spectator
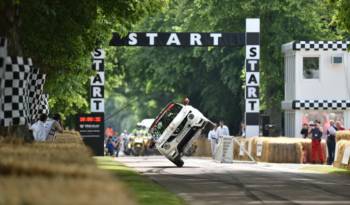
[(242, 130), (316, 134), (109, 132), (213, 138), (222, 130), (110, 146), (118, 142), (331, 131), (339, 126), (38, 128), (52, 126), (305, 130)]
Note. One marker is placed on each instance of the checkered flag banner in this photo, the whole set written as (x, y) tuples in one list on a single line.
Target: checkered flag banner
[(21, 85), (3, 54), (41, 107), (15, 97), (321, 104), (35, 89), (321, 45)]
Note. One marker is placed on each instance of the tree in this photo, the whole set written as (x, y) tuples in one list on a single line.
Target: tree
[(212, 77), (342, 13), (59, 36)]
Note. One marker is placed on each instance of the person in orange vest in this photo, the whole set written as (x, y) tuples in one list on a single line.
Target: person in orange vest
[(109, 132), (316, 134)]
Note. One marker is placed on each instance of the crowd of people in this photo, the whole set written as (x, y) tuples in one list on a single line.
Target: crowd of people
[(114, 142), (314, 131), (45, 128)]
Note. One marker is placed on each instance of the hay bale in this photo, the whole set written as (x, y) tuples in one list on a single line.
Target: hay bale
[(276, 149), (62, 171), (203, 147), (341, 146), (343, 135), (61, 191), (281, 150)]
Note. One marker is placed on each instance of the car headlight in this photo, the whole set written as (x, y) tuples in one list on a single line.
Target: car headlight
[(166, 146)]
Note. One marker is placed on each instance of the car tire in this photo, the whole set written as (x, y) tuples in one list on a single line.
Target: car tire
[(178, 162)]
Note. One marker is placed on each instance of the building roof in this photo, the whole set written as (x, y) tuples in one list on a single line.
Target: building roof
[(316, 45)]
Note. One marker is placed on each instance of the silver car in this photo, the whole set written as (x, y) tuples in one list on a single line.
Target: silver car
[(175, 129)]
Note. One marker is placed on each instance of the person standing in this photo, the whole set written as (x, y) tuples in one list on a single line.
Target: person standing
[(316, 134), (222, 130), (305, 130), (110, 146), (331, 132), (117, 142), (213, 138), (39, 130), (109, 132), (339, 126), (242, 130)]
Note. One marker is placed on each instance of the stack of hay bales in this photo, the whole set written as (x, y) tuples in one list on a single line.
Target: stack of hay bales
[(343, 135), (59, 172), (203, 147), (343, 145), (274, 149)]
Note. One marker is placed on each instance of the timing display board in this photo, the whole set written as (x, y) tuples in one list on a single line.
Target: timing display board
[(91, 129)]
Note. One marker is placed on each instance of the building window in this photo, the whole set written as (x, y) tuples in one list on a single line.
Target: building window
[(311, 69)]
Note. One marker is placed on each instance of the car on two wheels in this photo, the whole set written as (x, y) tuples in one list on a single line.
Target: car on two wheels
[(175, 129)]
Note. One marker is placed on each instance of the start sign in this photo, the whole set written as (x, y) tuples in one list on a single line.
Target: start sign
[(178, 39), (97, 82), (250, 39)]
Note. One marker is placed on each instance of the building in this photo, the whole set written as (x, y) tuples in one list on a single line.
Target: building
[(317, 84)]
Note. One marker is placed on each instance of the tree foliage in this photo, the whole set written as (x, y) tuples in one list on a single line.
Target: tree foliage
[(341, 16), (212, 77), (59, 36)]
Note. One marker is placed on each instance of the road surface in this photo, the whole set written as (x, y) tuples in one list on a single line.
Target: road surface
[(204, 182)]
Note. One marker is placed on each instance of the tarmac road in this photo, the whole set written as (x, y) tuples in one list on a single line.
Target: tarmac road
[(202, 181)]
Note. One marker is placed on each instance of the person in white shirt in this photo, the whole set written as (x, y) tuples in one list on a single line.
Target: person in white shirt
[(38, 128), (52, 126), (222, 130), (213, 138)]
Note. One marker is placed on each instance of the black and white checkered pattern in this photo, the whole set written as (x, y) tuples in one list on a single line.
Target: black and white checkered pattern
[(36, 88), (320, 45), (21, 85), (43, 105), (3, 54), (321, 104), (15, 104)]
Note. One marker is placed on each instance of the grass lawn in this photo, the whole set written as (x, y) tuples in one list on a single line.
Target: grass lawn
[(326, 169), (146, 191)]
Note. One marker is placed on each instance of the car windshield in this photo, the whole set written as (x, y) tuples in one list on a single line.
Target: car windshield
[(164, 119)]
